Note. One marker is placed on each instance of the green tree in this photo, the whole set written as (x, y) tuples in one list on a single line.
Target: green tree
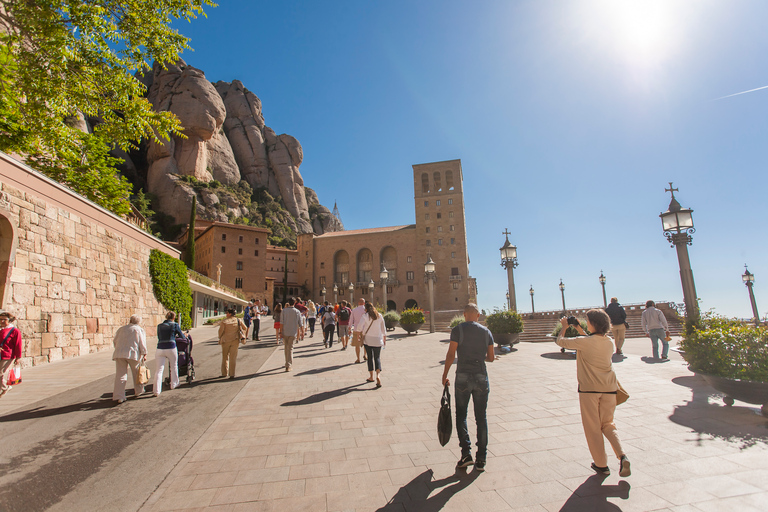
[(189, 252), (62, 60)]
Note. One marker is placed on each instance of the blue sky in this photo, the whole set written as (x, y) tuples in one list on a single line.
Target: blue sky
[(570, 119)]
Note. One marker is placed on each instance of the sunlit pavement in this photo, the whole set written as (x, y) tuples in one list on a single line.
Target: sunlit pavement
[(321, 438)]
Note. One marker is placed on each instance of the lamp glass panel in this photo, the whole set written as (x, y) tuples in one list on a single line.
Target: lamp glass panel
[(429, 267), (685, 219), (508, 252), (669, 221), (383, 274)]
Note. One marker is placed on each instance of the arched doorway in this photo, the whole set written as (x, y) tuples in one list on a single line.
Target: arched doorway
[(7, 247), (391, 306), (410, 303), (388, 258), (364, 267), (341, 268)]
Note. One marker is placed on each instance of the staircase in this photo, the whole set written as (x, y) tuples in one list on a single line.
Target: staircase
[(538, 325)]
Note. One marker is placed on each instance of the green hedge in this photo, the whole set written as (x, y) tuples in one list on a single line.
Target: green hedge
[(170, 285), (504, 322), (412, 316)]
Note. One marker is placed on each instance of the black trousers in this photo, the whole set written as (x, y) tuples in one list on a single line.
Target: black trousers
[(256, 325)]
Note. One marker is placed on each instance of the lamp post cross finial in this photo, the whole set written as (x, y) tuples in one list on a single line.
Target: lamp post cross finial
[(671, 190), (506, 233)]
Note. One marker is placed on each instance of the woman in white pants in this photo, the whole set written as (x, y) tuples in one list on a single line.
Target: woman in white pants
[(166, 352)]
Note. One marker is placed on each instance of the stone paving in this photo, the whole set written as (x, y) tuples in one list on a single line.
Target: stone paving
[(320, 438)]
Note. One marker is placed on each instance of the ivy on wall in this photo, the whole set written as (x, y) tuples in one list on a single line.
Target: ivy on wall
[(170, 285)]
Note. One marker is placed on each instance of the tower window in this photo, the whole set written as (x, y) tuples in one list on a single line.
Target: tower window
[(437, 203), (240, 239), (426, 203), (450, 214), (256, 252), (238, 282), (223, 249), (427, 228), (223, 237), (449, 180), (426, 216), (450, 201), (452, 227), (429, 242), (257, 241), (440, 241), (239, 265), (424, 183), (240, 251)]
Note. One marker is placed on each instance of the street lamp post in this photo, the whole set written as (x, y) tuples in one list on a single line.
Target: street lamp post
[(430, 277), (533, 309), (602, 282), (383, 275), (335, 293), (509, 262), (749, 280), (507, 299), (351, 294), (371, 286), (562, 292), (677, 224), (323, 292)]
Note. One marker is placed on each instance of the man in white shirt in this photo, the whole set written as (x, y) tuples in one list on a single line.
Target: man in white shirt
[(656, 327), (290, 320), (256, 319), (356, 324)]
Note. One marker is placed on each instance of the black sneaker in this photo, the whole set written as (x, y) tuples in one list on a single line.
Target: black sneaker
[(603, 471), (480, 465), (624, 466), (465, 461)]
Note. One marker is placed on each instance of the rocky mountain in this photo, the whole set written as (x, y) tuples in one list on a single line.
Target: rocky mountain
[(226, 145)]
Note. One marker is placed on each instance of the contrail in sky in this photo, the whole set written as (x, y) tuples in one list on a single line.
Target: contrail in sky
[(742, 92)]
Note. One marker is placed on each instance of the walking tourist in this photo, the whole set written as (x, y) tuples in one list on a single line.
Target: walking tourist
[(656, 327), (276, 316), (311, 317), (618, 323), (356, 322), (374, 337), (329, 325), (166, 353), (343, 322), (130, 344), (247, 317), (597, 386), (232, 333), (256, 312), (473, 344), (10, 349), (290, 319), (298, 304)]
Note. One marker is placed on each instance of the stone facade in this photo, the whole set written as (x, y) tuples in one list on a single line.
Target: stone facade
[(357, 256), (70, 271)]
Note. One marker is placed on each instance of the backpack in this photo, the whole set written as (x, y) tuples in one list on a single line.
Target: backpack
[(344, 314)]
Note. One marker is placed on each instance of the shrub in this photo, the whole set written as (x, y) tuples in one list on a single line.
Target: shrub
[(504, 322), (170, 285), (727, 348), (571, 332), (412, 316), (390, 319), (456, 320)]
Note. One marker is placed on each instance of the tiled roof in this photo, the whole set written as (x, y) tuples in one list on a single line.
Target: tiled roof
[(388, 229)]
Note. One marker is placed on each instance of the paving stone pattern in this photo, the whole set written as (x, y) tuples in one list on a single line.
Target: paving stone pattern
[(320, 438)]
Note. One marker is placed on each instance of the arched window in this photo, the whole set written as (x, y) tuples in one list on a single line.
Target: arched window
[(438, 181), (341, 268), (7, 247), (424, 183), (449, 180), (389, 260), (364, 266)]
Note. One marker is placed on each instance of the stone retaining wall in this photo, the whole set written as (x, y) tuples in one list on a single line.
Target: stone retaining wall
[(71, 271)]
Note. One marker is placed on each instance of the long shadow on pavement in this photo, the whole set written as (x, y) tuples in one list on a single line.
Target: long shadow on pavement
[(315, 371), (415, 494), (570, 356), (743, 425), (592, 496), (42, 412), (325, 395)]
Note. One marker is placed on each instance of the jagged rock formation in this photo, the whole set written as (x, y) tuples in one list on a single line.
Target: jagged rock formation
[(226, 140)]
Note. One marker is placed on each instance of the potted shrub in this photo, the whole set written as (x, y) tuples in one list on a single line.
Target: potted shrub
[(390, 319), (505, 326), (411, 319), (456, 320), (731, 356)]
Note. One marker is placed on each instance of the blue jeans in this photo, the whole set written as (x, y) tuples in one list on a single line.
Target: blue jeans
[(656, 336), (474, 385)]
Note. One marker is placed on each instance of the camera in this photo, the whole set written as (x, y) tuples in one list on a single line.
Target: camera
[(572, 320)]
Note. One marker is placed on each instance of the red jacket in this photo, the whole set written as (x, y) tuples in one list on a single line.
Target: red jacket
[(12, 347)]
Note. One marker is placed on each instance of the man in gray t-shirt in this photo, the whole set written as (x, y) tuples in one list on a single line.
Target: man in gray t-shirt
[(474, 345)]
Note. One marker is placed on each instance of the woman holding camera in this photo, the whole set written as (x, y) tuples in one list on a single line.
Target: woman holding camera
[(597, 387)]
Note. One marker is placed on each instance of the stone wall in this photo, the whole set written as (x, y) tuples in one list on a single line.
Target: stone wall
[(75, 272)]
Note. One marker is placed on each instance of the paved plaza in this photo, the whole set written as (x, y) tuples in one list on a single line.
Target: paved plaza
[(320, 438)]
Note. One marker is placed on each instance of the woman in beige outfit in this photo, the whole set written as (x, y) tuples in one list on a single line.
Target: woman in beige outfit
[(231, 333), (597, 388)]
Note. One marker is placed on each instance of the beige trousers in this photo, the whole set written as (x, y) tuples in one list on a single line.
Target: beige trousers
[(288, 347), (122, 366), (618, 335), (229, 358), (5, 367), (597, 419)]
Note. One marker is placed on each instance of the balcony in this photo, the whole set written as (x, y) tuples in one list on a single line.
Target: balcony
[(454, 278)]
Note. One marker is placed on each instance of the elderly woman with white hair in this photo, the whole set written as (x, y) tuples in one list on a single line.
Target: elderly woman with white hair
[(130, 348)]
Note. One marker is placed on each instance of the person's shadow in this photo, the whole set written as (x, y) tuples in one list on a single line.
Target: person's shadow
[(592, 496), (415, 494)]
